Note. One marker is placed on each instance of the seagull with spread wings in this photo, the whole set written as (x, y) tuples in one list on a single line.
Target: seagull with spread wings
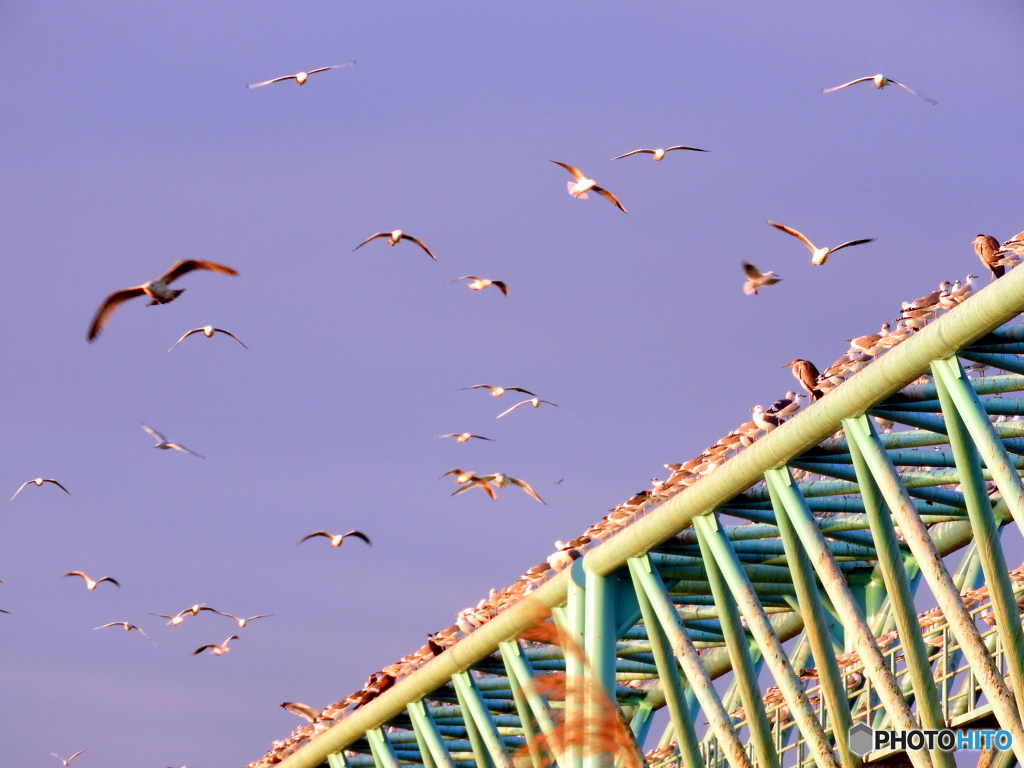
[(216, 650), (394, 237), (582, 185), (300, 77), (128, 627), (207, 331), (163, 444), (535, 402), (501, 480), (304, 711), (39, 482), (879, 81), (158, 291), (242, 622), (818, 255), (499, 391), (659, 154), (337, 539), (177, 618), (67, 762), (479, 283), (461, 437), (757, 279), (89, 583)]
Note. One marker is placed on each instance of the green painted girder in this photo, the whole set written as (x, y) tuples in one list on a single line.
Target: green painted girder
[(754, 547), (994, 406)]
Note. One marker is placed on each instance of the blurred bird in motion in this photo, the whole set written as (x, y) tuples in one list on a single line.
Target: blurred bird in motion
[(879, 81), (300, 77), (243, 622), (127, 628), (583, 185), (67, 762), (818, 255), (659, 154), (462, 437), (177, 618), (757, 279), (161, 443), (502, 481), (207, 331), (479, 283), (535, 402), (336, 539), (216, 650), (498, 391), (89, 583), (394, 238), (304, 711), (39, 482)]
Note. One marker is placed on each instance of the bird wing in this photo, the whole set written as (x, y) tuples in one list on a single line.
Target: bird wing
[(112, 581), (301, 710), (798, 235), (481, 437), (261, 616), (359, 535), (161, 616), (500, 285), (314, 535), (185, 266), (852, 242), (478, 386), (74, 755), (464, 277), (634, 152), (372, 237), (751, 271), (183, 449), (526, 487), (111, 624), (503, 413), (482, 484), (229, 333), (75, 573), (229, 615), (846, 85), (692, 149), (27, 482), (576, 172), (520, 389), (268, 82), (203, 648), (187, 334), (420, 243), (336, 66), (59, 486), (609, 197), (933, 102), (112, 302)]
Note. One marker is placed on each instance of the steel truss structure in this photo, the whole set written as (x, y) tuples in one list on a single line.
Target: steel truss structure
[(719, 603)]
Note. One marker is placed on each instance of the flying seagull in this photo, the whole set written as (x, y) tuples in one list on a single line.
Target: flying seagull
[(879, 81), (216, 650), (461, 437), (582, 185), (535, 402), (336, 539), (757, 279), (818, 255), (500, 480), (300, 77), (177, 618), (207, 331), (805, 372), (39, 482), (161, 442), (479, 283), (302, 710), (157, 290), (89, 583), (242, 622), (127, 628), (67, 762), (499, 391), (393, 239), (659, 154), (990, 252)]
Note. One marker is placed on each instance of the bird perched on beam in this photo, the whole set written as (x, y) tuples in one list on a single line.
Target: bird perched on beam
[(805, 372), (764, 420), (786, 405), (989, 251)]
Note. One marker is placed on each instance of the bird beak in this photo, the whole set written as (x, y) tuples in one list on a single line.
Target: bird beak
[(788, 365)]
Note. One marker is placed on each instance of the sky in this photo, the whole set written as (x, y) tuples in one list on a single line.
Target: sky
[(128, 141)]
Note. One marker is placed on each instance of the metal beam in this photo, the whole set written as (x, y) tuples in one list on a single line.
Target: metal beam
[(380, 748), (426, 729), (472, 703)]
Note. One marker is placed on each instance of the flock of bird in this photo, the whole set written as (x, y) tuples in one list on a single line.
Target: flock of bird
[(914, 315)]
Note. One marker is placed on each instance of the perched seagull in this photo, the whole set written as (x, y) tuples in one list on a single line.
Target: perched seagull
[(583, 185), (39, 482), (928, 301), (805, 372), (965, 290), (659, 154), (757, 279), (786, 405), (157, 290), (216, 650), (336, 539), (67, 762), (479, 283), (535, 402), (501, 481), (867, 343), (393, 238), (207, 331), (879, 81), (243, 622), (127, 628), (763, 419), (161, 442), (499, 391), (990, 252), (89, 583), (300, 77), (818, 255), (462, 437), (304, 711)]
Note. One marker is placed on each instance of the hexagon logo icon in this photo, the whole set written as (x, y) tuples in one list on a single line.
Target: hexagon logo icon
[(862, 738)]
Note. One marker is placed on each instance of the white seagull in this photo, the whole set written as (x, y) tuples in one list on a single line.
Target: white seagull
[(127, 628), (39, 482), (583, 185), (659, 154), (161, 442), (336, 538), (67, 762), (300, 77), (89, 583), (242, 622), (393, 239), (216, 650), (535, 402), (757, 279), (207, 331), (818, 255), (879, 81)]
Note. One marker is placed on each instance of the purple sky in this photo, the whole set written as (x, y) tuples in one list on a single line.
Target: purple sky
[(128, 140)]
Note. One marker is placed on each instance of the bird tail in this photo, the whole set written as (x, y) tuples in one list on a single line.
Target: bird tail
[(578, 195), (749, 288)]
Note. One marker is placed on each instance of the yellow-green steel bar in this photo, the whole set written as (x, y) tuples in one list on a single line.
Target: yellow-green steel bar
[(819, 639), (572, 645), (986, 530), (473, 704), (856, 629), (986, 441), (771, 648), (668, 674), (744, 673), (424, 726), (380, 749), (599, 650), (520, 667), (901, 597), (690, 662), (934, 571), (526, 718), (337, 760)]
